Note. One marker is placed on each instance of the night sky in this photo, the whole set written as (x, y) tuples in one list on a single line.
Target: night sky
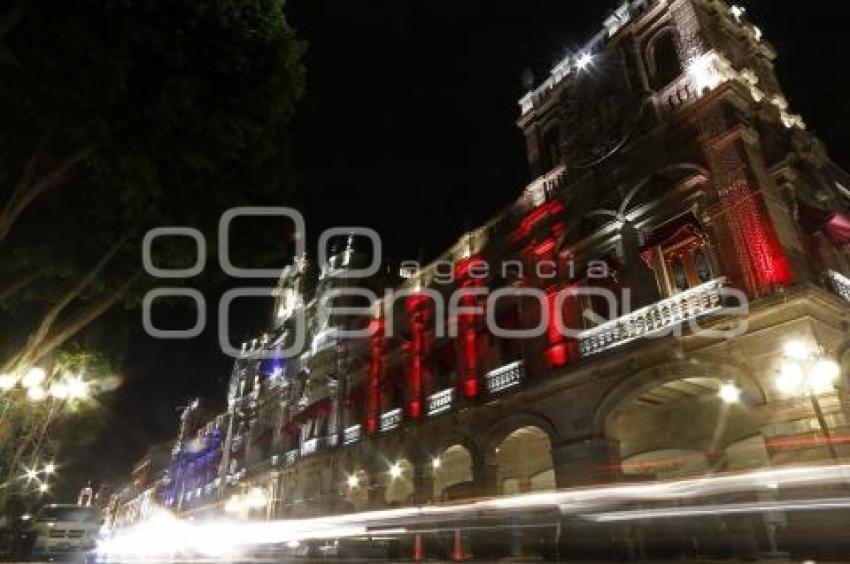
[(408, 126)]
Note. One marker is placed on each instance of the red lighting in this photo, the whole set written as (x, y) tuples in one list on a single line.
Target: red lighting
[(537, 215), (756, 240), (376, 369)]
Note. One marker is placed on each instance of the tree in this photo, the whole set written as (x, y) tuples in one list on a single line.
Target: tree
[(120, 116)]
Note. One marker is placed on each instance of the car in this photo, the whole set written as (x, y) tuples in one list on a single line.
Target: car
[(65, 531)]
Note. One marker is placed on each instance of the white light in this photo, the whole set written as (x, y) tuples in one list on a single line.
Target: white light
[(797, 350), (757, 32), (43, 488), (738, 12), (791, 378), (7, 382), (730, 393), (436, 463), (59, 390), (30, 474), (77, 388), (395, 471), (36, 394), (353, 482), (34, 377), (49, 468), (824, 375), (704, 72), (584, 61)]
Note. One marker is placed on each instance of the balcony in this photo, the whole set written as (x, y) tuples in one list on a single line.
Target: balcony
[(309, 446), (505, 377), (840, 284), (351, 435), (653, 319), (440, 402), (390, 420)]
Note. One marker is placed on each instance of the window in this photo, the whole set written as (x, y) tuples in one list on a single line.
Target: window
[(680, 253), (551, 149), (664, 63)]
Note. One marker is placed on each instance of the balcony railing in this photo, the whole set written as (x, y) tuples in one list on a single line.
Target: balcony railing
[(505, 377), (440, 402), (390, 420), (840, 284), (653, 319), (310, 446), (351, 435)]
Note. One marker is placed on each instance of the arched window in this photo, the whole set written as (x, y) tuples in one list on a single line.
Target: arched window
[(664, 62)]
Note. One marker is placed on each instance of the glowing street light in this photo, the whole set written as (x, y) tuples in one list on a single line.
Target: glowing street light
[(730, 393), (34, 377), (353, 482), (36, 394), (77, 388), (30, 474), (43, 488), (7, 382), (805, 372), (395, 471), (435, 462), (49, 468)]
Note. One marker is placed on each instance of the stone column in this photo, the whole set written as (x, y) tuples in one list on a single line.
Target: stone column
[(485, 474), (586, 461), (423, 481)]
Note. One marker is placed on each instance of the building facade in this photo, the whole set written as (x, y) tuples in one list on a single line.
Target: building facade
[(670, 174)]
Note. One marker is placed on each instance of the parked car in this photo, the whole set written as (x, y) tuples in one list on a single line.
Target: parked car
[(65, 530)]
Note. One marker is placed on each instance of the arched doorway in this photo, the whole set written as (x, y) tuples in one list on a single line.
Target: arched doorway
[(684, 427), (452, 471), (398, 483), (524, 460), (356, 491)]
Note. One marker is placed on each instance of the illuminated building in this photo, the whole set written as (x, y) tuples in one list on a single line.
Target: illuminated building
[(668, 164)]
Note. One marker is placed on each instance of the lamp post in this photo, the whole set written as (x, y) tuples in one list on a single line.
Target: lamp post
[(805, 371)]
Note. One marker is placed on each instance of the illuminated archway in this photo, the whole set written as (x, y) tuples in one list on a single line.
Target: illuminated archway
[(356, 490), (452, 471), (673, 421), (398, 483), (524, 462)]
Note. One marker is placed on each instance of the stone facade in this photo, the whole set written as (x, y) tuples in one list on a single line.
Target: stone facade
[(668, 164)]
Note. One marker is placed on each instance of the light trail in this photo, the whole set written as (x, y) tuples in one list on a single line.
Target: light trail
[(721, 509), (167, 536)]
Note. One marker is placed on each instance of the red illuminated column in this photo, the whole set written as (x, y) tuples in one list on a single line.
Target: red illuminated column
[(376, 368), (558, 349), (468, 325), (417, 350)]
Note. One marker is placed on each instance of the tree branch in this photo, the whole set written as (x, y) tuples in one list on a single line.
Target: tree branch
[(26, 193), (49, 319), (19, 285), (85, 318)]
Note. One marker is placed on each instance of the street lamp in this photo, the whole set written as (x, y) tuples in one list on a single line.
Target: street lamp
[(36, 394), (49, 468), (395, 471), (353, 482), (7, 382), (729, 393), (806, 372), (33, 378)]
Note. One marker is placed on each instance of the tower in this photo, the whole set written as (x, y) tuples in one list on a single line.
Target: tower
[(681, 96)]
